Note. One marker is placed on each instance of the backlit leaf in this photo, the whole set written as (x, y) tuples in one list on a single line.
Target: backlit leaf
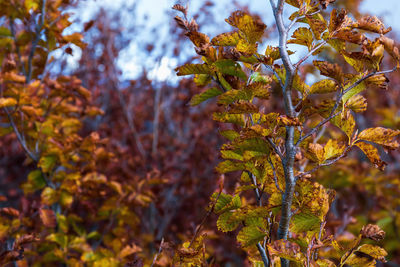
[(252, 27), (250, 235), (208, 94), (302, 36), (304, 222), (226, 39), (323, 86), (226, 223), (229, 166), (188, 69)]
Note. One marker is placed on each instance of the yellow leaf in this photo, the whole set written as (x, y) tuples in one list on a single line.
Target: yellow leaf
[(226, 39), (49, 196), (129, 250), (372, 153), (7, 102), (324, 86), (302, 36), (332, 149), (252, 27), (380, 135)]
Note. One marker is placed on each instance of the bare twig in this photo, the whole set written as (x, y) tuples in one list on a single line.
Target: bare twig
[(275, 177), (290, 149), (20, 137), (275, 147), (38, 29), (338, 99), (263, 255), (198, 228), (297, 65), (156, 121), (158, 253), (327, 163)]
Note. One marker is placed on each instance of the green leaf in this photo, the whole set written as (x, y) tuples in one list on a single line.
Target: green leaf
[(5, 31), (36, 180), (253, 144), (188, 69), (305, 222), (259, 78), (59, 238), (62, 223), (234, 95), (230, 118), (202, 79), (209, 93), (230, 134), (226, 223), (229, 166), (227, 202), (47, 163), (356, 90), (250, 235), (231, 154), (230, 67)]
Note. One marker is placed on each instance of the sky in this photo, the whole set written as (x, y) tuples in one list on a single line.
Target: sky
[(130, 60)]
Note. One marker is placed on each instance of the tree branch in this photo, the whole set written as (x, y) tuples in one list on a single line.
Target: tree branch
[(309, 54), (290, 148), (38, 29), (263, 255)]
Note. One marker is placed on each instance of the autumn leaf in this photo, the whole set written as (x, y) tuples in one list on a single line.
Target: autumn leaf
[(381, 136), (324, 86), (372, 153), (250, 235), (188, 69), (208, 94), (302, 36), (7, 102), (48, 218)]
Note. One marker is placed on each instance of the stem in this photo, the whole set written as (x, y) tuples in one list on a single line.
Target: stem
[(290, 148)]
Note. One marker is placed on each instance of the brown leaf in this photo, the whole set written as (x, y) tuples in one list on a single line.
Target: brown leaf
[(372, 24), (10, 211), (180, 8), (181, 23), (25, 239), (48, 217), (330, 70), (325, 3), (350, 36), (373, 232), (88, 25)]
